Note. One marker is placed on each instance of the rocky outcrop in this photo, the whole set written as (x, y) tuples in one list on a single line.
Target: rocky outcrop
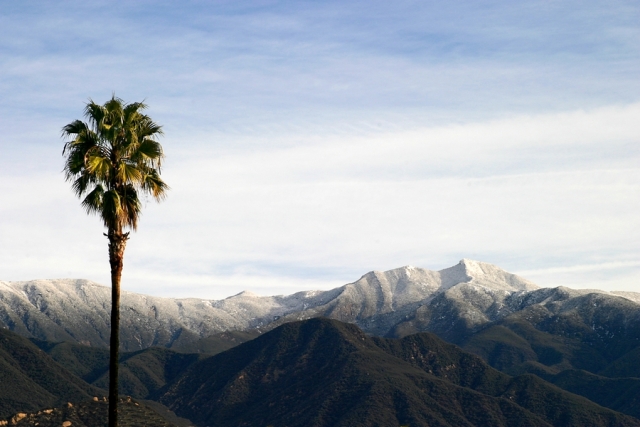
[(91, 413)]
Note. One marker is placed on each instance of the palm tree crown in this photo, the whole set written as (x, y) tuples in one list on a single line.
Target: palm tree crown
[(112, 158)]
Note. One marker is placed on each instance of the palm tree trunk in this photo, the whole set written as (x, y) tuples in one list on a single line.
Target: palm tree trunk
[(117, 243)]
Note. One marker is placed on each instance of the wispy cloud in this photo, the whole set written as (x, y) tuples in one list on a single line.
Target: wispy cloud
[(311, 142)]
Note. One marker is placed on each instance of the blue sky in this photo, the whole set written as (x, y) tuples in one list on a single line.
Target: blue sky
[(310, 142)]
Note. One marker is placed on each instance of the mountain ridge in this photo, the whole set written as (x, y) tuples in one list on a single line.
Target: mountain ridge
[(316, 372), (363, 381), (379, 302)]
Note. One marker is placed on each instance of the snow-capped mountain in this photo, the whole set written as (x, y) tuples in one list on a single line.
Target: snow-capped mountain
[(395, 302)]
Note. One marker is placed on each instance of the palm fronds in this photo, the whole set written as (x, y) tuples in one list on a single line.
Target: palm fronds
[(112, 158)]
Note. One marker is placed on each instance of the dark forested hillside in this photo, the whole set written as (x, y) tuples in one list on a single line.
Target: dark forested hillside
[(318, 372), (30, 379), (142, 373), (323, 372)]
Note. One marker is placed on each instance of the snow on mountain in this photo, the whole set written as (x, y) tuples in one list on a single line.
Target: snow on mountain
[(79, 310), (633, 296), (392, 302)]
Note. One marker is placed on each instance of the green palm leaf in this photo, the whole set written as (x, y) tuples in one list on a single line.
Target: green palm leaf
[(93, 201), (117, 150)]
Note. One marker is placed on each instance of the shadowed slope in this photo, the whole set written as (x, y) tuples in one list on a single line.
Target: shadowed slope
[(619, 394), (322, 372), (450, 362), (141, 373), (573, 340), (30, 379)]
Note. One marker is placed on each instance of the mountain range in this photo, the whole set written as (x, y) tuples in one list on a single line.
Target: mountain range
[(449, 302), (323, 372), (584, 342), (316, 372)]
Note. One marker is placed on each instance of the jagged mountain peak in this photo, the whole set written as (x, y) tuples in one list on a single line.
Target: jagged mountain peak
[(244, 294), (466, 271), (489, 275)]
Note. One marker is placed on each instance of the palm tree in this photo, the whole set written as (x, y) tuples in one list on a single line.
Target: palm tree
[(110, 160)]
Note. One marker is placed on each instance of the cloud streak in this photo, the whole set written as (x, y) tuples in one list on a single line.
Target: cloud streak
[(311, 142), (518, 192)]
